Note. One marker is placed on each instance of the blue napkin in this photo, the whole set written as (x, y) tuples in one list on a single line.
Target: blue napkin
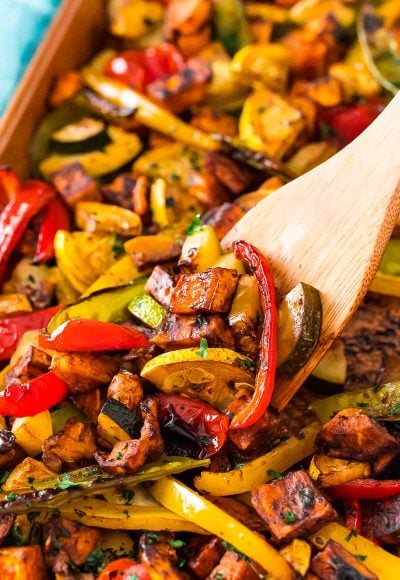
[(23, 23)]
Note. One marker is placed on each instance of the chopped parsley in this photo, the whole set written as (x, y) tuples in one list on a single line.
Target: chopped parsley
[(31, 480), (195, 225), (362, 405), (128, 495), (152, 537), (394, 410), (245, 363), (11, 496), (274, 474), (4, 477), (360, 557), (117, 246), (203, 348), (55, 544), (65, 482), (289, 517), (119, 455), (351, 534), (177, 543), (17, 536), (32, 516), (95, 561), (31, 279), (175, 177), (326, 131)]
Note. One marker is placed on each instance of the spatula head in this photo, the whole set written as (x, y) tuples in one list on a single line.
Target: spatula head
[(329, 228)]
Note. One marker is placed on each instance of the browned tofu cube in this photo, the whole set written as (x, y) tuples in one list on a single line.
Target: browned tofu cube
[(209, 292), (74, 185), (223, 218), (32, 364), (233, 567), (160, 285), (147, 251), (352, 434), (292, 506), (235, 176), (65, 540), (186, 332), (337, 563), (127, 389), (120, 191), (25, 563), (205, 553), (382, 519)]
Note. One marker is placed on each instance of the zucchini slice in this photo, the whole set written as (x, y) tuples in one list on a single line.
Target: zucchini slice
[(82, 136), (117, 422), (123, 149), (147, 310), (299, 327), (329, 375)]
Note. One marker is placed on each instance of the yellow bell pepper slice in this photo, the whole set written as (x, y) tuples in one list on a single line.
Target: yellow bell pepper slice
[(256, 472), (103, 218), (298, 554), (148, 113), (119, 274), (382, 563), (182, 500), (113, 516)]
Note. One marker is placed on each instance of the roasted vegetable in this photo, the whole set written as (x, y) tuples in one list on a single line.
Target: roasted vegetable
[(80, 137), (146, 309), (118, 422), (31, 432), (200, 249), (100, 218), (22, 563), (327, 471)]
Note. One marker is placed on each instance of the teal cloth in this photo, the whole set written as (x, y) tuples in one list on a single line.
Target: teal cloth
[(23, 23)]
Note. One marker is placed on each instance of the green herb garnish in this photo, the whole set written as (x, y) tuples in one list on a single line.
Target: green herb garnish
[(274, 474), (289, 517), (203, 348), (117, 246), (195, 225), (351, 534), (177, 543)]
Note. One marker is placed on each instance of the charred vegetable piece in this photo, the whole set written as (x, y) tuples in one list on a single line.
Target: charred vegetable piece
[(73, 444), (23, 563), (327, 471), (31, 432), (209, 292), (378, 402), (118, 422), (123, 149), (17, 303), (299, 327), (181, 499), (96, 217), (379, 561), (159, 555), (203, 374), (80, 137), (82, 371), (66, 410), (27, 400), (200, 249), (108, 305), (298, 554), (245, 314), (231, 25), (74, 184), (336, 562), (292, 506), (146, 309), (148, 251), (262, 469)]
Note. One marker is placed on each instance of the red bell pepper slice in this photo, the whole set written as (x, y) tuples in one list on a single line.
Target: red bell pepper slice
[(9, 185), (124, 569), (12, 328), (15, 217), (265, 379), (201, 425), (366, 489), (40, 394), (349, 122), (81, 335), (353, 515), (56, 217), (138, 68)]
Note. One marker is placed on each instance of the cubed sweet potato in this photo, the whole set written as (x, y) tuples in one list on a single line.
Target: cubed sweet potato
[(235, 176), (68, 542), (74, 185), (160, 285), (183, 89), (82, 371), (23, 563), (352, 434), (205, 553), (186, 331), (209, 292), (336, 563), (120, 191), (159, 555), (222, 218), (214, 121), (233, 567), (292, 506)]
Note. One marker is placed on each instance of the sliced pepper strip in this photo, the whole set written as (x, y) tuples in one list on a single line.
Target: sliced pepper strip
[(56, 218), (85, 335), (353, 515), (182, 500), (13, 327), (16, 215), (366, 489), (382, 563), (26, 400), (263, 468), (265, 380)]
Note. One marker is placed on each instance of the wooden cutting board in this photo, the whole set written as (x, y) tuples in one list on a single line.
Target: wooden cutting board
[(77, 32)]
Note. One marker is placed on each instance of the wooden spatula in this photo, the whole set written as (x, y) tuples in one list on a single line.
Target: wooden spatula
[(329, 228)]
